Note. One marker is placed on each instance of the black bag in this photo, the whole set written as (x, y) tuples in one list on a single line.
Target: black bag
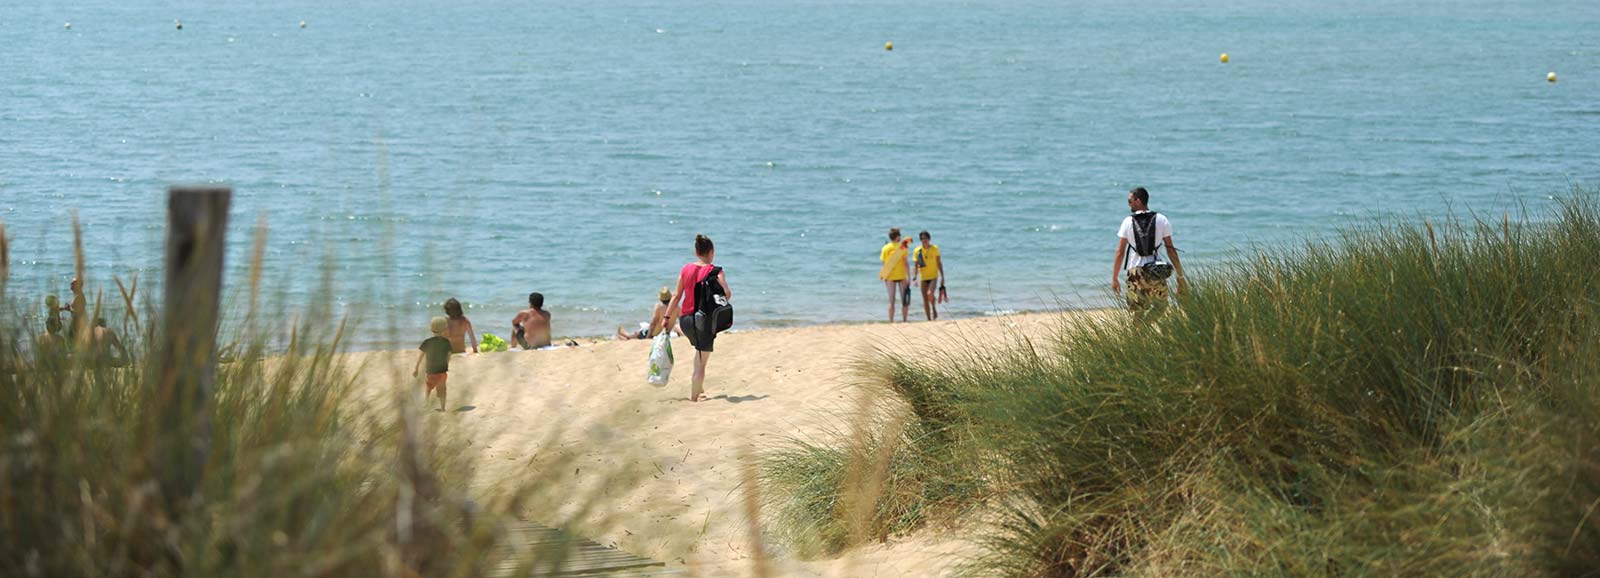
[(1145, 244), (712, 311)]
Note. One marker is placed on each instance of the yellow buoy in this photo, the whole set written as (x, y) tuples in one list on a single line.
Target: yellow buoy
[(1550, 77), (888, 46), (1224, 58)]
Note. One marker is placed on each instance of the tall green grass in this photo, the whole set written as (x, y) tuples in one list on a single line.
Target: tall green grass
[(305, 475), (1410, 398)]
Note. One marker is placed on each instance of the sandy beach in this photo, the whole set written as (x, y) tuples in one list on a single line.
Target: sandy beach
[(671, 472)]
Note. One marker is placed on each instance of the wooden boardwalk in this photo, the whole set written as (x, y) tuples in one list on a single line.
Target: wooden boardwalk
[(556, 553)]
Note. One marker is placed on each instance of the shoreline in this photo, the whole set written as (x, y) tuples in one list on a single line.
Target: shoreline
[(588, 340)]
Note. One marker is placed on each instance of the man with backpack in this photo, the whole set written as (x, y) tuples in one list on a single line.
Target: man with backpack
[(1138, 241)]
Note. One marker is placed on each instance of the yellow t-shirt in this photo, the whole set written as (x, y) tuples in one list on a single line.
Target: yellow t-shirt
[(894, 262), (927, 262)]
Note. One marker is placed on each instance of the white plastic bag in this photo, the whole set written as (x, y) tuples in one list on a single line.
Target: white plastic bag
[(661, 359)]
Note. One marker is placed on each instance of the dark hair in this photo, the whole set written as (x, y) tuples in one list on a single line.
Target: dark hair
[(702, 245), (52, 325), (924, 235), (1141, 194), (535, 300), (894, 233), (452, 308), (100, 321)]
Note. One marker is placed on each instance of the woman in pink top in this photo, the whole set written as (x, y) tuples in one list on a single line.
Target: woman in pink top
[(683, 308)]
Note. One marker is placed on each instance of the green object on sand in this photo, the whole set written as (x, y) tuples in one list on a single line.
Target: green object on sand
[(491, 342)]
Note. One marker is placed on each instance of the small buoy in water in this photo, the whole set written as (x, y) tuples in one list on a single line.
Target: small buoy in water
[(1224, 58), (1550, 77), (888, 46), (302, 24), (179, 23), (68, 26)]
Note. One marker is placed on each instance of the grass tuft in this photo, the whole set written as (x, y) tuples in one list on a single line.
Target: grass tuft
[(1410, 398)]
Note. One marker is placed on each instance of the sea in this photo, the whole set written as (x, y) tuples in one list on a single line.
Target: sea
[(402, 152)]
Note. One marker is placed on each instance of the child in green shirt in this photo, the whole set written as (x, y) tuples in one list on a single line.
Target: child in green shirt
[(435, 351)]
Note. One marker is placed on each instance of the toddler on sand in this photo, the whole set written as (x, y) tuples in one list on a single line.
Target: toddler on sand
[(435, 351)]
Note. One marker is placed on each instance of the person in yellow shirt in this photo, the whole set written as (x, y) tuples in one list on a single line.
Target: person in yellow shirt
[(894, 272), (930, 268)]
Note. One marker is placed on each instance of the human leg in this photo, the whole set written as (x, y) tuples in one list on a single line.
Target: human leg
[(893, 289), (444, 390), (927, 300), (701, 358), (905, 300)]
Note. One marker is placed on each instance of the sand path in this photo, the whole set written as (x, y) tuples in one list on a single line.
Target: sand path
[(668, 471)]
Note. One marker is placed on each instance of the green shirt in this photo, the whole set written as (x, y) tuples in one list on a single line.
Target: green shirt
[(438, 351)]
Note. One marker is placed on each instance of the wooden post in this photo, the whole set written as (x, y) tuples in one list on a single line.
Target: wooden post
[(186, 356)]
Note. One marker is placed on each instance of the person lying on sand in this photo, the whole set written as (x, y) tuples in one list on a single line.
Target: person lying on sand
[(658, 319), (530, 329)]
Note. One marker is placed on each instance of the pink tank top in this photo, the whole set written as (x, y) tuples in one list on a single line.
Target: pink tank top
[(688, 277)]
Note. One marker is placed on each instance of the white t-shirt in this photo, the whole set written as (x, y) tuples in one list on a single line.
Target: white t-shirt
[(1132, 260)]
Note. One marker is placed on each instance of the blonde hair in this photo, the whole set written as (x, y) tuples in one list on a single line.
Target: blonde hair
[(438, 325)]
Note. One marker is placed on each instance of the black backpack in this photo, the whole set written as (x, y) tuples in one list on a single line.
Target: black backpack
[(712, 312), (1144, 233), (1145, 245)]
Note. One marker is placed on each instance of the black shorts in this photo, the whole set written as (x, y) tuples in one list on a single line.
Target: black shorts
[(700, 342)]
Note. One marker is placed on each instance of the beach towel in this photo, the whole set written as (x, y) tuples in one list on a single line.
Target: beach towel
[(898, 255), (661, 359)]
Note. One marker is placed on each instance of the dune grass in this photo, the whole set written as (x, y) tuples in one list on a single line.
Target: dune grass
[(1410, 398), (304, 475)]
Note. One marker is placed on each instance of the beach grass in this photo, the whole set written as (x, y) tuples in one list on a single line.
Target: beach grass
[(1409, 398), (303, 474)]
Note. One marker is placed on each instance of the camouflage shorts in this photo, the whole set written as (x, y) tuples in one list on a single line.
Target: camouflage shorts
[(1146, 294)]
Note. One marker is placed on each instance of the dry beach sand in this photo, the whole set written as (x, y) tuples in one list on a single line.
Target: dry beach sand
[(670, 473)]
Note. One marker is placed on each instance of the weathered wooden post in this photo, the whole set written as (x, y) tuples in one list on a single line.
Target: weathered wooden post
[(186, 356)]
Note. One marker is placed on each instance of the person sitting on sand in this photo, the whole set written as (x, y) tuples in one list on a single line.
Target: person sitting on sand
[(1144, 292), (683, 308), (930, 268), (530, 329), (52, 343), (106, 346), (460, 332), (893, 273), (436, 352), (658, 319)]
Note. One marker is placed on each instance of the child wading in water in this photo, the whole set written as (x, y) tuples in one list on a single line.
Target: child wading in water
[(460, 332), (436, 352)]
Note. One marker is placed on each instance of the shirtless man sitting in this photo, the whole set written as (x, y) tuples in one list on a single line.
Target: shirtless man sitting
[(106, 346), (531, 327)]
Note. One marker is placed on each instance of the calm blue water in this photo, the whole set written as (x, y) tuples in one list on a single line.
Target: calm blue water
[(483, 149)]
